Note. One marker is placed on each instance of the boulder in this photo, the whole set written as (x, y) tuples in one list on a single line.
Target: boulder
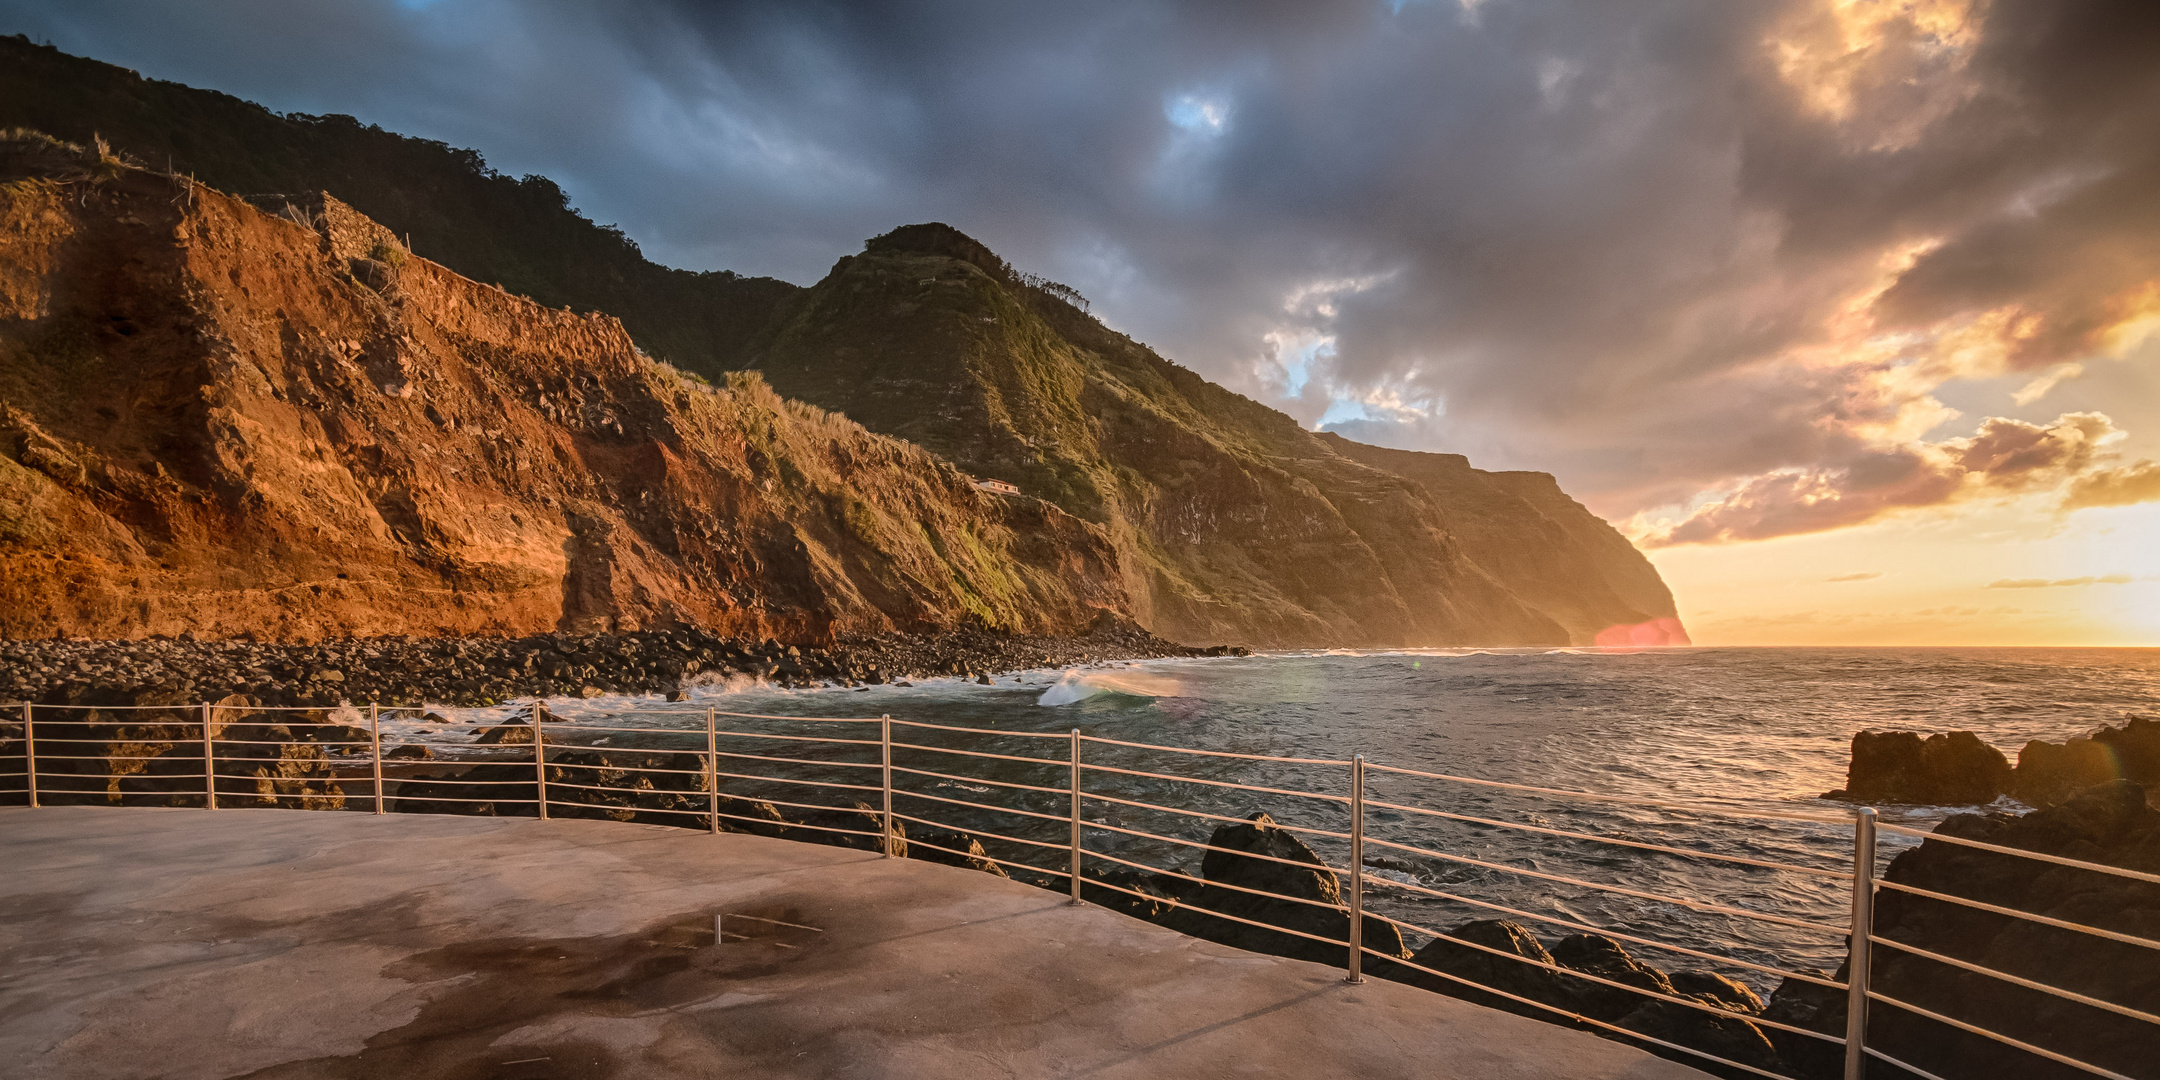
[(2049, 773), (2109, 824), (948, 848), (1944, 769), (1314, 911)]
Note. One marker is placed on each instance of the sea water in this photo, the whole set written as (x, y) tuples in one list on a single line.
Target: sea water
[(1725, 731)]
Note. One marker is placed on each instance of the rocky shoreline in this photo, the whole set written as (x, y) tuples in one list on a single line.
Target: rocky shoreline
[(473, 671)]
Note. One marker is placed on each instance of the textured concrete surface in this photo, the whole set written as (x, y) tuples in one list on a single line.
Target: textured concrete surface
[(284, 944)]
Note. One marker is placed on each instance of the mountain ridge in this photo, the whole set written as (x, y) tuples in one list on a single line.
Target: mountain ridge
[(1227, 520)]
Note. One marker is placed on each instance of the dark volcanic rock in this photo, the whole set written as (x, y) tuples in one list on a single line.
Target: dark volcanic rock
[(1317, 910), (2110, 824), (1953, 769), (2048, 773)]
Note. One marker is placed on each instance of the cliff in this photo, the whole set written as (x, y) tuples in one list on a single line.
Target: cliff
[(1232, 520), (223, 420), (517, 232), (1224, 520)]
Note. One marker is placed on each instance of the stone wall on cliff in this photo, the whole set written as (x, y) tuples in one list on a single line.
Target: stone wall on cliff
[(219, 419)]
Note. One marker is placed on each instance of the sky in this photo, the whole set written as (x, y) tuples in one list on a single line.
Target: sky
[(1847, 311)]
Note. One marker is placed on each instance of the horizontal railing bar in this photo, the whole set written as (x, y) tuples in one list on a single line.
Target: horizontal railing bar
[(700, 795), (193, 737), (984, 806), (978, 833), (977, 753), (1776, 815), (1839, 874), (1615, 934), (2127, 939), (980, 780), (897, 722), (556, 723), (554, 802), (912, 843), (2098, 868), (626, 768), (799, 761), (230, 793), (1222, 915), (1975, 1029), (1555, 1009), (1181, 875), (223, 741), (42, 758), (1620, 889), (1214, 753), (1307, 829), (285, 779), (806, 719), (816, 806), (798, 783), (1916, 1070), (1602, 981), (2068, 995), (1217, 783), (794, 738), (1085, 824), (447, 799), (799, 825)]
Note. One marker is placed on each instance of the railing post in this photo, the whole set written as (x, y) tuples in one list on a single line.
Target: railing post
[(209, 760), (29, 741), (712, 766), (1357, 869), (540, 758), (885, 758), (1857, 956), (374, 723), (1072, 860)]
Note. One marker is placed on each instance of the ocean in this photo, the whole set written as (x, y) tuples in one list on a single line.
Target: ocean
[(1727, 731)]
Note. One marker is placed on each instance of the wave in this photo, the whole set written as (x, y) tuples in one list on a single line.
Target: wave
[(1077, 685)]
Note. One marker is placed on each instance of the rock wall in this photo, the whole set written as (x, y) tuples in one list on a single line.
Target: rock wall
[(226, 421)]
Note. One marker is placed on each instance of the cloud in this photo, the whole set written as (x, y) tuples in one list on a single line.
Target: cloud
[(2116, 487), (1681, 254), (2004, 458), (2044, 583), (1868, 575)]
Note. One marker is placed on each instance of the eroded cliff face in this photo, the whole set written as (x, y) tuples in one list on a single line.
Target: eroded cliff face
[(218, 419), (1233, 522), (1551, 551)]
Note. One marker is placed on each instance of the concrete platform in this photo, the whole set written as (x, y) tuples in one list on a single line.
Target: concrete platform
[(284, 944)]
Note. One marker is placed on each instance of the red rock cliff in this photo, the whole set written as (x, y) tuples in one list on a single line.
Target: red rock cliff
[(231, 421)]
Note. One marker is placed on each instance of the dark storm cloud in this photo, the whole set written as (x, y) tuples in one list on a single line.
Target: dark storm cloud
[(1656, 247)]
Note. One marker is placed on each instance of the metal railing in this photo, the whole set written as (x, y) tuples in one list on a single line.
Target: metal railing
[(706, 771)]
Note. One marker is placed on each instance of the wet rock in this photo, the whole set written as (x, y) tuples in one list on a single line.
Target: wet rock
[(2049, 773), (409, 752), (2110, 824), (1313, 910), (1711, 988), (952, 849), (1527, 975), (1944, 769)]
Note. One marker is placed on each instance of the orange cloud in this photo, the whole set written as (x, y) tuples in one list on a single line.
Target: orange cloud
[(2004, 458)]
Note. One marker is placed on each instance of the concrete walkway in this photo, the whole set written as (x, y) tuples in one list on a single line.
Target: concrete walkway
[(284, 944)]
